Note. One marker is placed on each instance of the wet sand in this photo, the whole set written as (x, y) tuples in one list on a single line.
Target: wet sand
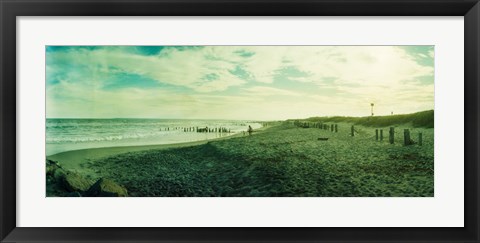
[(79, 160)]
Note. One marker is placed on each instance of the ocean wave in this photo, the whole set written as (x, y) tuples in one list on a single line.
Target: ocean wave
[(88, 131), (96, 138)]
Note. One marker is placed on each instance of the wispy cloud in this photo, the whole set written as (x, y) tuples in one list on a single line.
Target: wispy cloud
[(268, 91), (237, 81)]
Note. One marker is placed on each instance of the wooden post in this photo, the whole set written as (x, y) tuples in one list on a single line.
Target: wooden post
[(381, 134), (391, 135), (406, 137), (420, 139), (353, 131), (331, 128), (336, 127), (376, 134)]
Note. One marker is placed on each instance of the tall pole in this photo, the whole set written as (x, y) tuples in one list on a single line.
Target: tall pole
[(371, 104)]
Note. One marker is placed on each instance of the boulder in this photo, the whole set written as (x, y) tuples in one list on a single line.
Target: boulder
[(51, 167), (106, 188), (73, 182)]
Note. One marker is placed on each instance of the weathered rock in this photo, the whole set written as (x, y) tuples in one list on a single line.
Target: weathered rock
[(51, 167), (59, 174), (73, 182), (106, 188)]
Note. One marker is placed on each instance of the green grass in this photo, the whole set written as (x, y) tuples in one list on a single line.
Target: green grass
[(423, 119)]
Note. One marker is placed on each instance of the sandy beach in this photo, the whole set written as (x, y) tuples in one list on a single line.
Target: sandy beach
[(77, 160), (282, 160)]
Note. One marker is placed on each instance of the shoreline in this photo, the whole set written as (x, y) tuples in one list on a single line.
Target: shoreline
[(76, 159)]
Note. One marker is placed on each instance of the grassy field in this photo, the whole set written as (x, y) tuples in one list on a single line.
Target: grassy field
[(283, 160)]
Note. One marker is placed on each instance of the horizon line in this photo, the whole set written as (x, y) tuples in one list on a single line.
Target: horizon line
[(155, 118)]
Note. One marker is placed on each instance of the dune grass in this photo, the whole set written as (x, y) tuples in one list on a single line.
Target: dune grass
[(420, 119)]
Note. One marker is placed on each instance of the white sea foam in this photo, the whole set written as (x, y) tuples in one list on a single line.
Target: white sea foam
[(70, 134)]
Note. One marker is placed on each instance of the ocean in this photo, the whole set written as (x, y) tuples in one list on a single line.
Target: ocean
[(73, 134)]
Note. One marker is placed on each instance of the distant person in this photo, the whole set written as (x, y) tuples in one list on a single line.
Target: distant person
[(250, 130)]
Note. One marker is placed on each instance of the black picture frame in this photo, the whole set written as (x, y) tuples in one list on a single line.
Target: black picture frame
[(10, 9)]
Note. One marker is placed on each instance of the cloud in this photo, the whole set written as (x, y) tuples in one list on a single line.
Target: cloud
[(268, 91), (230, 81), (175, 67)]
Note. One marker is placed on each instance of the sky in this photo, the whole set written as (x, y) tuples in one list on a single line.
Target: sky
[(237, 82)]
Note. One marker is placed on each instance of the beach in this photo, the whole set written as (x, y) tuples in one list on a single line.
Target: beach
[(77, 134), (282, 160), (175, 121)]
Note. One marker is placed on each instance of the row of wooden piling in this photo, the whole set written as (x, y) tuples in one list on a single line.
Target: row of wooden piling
[(200, 129), (324, 126), (407, 139), (213, 130), (328, 127)]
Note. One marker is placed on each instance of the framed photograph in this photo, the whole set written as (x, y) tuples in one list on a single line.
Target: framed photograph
[(239, 121)]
